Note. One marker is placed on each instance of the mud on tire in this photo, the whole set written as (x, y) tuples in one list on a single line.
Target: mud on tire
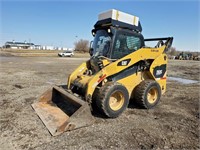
[(112, 99)]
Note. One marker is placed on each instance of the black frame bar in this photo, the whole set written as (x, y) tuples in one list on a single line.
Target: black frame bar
[(158, 39)]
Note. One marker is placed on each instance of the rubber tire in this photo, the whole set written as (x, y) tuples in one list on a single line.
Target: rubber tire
[(103, 96), (141, 91)]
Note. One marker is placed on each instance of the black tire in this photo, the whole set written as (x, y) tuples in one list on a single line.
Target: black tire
[(141, 92), (109, 92)]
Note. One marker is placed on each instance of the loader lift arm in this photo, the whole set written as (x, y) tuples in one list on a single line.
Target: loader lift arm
[(167, 43)]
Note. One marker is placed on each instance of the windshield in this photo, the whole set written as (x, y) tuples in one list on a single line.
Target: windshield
[(101, 44)]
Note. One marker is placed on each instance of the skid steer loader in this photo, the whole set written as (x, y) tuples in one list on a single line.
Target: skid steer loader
[(121, 68)]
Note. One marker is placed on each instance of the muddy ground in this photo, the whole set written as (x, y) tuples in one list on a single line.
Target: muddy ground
[(173, 124)]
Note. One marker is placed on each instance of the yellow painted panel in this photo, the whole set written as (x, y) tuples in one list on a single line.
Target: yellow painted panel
[(129, 82)]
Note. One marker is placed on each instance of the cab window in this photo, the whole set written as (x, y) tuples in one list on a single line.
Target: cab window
[(125, 44)]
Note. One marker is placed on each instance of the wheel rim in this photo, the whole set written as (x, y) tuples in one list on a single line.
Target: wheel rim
[(116, 100), (152, 95)]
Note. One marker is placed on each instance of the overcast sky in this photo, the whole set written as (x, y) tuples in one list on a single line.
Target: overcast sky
[(61, 23)]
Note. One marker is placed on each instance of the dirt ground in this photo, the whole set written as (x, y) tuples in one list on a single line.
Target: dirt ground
[(173, 124)]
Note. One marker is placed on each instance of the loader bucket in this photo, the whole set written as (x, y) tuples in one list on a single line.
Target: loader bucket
[(61, 111)]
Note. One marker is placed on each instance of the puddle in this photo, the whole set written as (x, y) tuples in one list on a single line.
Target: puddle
[(181, 80)]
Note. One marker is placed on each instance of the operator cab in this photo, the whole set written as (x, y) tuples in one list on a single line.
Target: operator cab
[(115, 43), (115, 38)]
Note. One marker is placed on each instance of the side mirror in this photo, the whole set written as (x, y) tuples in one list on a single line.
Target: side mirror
[(91, 49)]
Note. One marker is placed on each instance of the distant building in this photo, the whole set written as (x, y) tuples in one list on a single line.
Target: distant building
[(70, 49), (59, 48), (18, 45), (39, 47), (25, 45), (48, 48), (64, 48)]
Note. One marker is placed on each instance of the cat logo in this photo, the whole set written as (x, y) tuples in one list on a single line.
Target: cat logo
[(158, 72), (124, 63)]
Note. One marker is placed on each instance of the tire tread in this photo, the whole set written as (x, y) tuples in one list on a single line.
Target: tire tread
[(101, 97), (140, 91)]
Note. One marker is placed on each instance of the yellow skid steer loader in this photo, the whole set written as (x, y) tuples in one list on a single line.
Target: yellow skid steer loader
[(121, 68)]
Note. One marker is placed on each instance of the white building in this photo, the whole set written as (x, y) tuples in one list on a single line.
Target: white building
[(18, 45)]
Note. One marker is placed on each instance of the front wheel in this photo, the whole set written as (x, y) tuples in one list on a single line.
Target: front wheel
[(112, 99)]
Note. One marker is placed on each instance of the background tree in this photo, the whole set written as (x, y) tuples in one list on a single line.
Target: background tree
[(172, 51), (82, 46)]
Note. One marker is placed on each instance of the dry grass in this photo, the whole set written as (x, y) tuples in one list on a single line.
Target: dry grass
[(29, 51), (32, 53)]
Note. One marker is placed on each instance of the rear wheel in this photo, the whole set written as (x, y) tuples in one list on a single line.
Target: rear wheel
[(147, 94), (112, 99)]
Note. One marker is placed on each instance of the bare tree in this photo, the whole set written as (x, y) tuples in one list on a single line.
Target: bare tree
[(82, 45), (172, 51)]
